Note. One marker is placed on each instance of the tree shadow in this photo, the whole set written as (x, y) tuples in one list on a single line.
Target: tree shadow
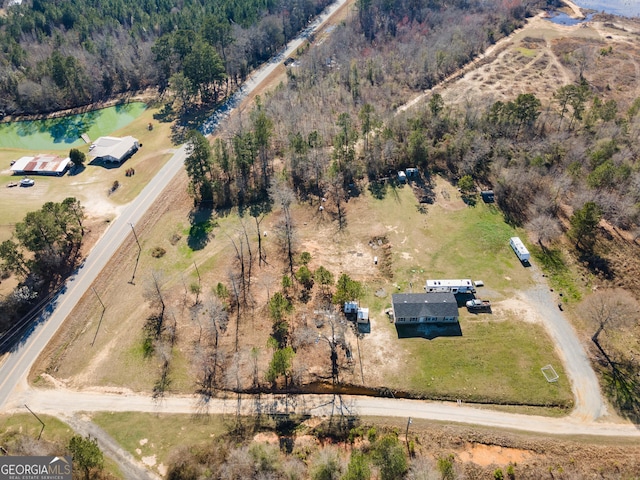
[(166, 115), (622, 387), (76, 170), (353, 190), (429, 330), (378, 189), (598, 265), (70, 129), (202, 224), (470, 200)]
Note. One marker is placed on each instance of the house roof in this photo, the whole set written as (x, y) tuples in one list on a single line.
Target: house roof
[(112, 147), (441, 304), (41, 164)]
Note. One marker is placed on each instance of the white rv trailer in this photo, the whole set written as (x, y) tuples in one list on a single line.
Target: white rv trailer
[(518, 247), (453, 286)]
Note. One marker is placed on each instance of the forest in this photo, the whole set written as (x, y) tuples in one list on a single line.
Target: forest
[(545, 158), (58, 55)]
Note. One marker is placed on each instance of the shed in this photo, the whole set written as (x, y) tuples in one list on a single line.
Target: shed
[(350, 307), (42, 164), (488, 196), (363, 315), (412, 172)]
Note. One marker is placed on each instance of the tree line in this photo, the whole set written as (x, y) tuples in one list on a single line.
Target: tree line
[(58, 55)]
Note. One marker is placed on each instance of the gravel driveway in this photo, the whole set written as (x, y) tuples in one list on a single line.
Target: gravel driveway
[(589, 405)]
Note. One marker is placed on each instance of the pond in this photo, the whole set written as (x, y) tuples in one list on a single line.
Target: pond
[(65, 132), (625, 8), (564, 19)]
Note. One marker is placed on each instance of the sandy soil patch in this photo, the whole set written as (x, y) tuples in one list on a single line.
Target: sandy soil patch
[(518, 307), (486, 455), (266, 437)]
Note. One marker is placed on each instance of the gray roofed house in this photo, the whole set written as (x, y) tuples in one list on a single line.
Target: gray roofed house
[(440, 307), (114, 149)]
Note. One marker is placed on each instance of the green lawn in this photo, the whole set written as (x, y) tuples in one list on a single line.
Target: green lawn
[(498, 357), (64, 133), (493, 361)]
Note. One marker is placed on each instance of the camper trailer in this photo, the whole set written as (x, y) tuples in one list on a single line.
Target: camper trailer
[(453, 286), (520, 249)]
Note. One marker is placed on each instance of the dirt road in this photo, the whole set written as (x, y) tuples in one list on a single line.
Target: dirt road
[(62, 402)]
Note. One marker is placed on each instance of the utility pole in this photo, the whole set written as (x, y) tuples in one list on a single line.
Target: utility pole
[(139, 253), (406, 436), (37, 418), (101, 316)]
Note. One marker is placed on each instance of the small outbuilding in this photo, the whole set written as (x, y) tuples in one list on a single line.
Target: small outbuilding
[(350, 307), (114, 149), (488, 196), (41, 165), (363, 315), (411, 172)]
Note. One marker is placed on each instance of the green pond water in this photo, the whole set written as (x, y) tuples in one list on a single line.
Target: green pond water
[(64, 133)]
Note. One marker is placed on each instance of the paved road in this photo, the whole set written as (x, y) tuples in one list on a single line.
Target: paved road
[(16, 366)]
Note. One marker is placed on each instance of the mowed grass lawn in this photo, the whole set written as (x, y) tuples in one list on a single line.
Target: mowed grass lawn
[(498, 357), (493, 362)]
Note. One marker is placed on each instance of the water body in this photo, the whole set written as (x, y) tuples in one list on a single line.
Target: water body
[(564, 19), (65, 132), (625, 8)]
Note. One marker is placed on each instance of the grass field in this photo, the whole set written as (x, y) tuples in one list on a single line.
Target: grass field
[(25, 423), (65, 132), (497, 358), (498, 362), (149, 435)]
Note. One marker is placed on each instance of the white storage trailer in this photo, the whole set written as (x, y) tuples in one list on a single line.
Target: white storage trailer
[(453, 286), (518, 247)]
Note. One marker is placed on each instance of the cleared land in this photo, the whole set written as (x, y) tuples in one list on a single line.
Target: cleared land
[(497, 359)]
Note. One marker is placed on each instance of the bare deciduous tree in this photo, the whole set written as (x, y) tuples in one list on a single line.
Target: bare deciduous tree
[(545, 228), (608, 309), (282, 195)]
